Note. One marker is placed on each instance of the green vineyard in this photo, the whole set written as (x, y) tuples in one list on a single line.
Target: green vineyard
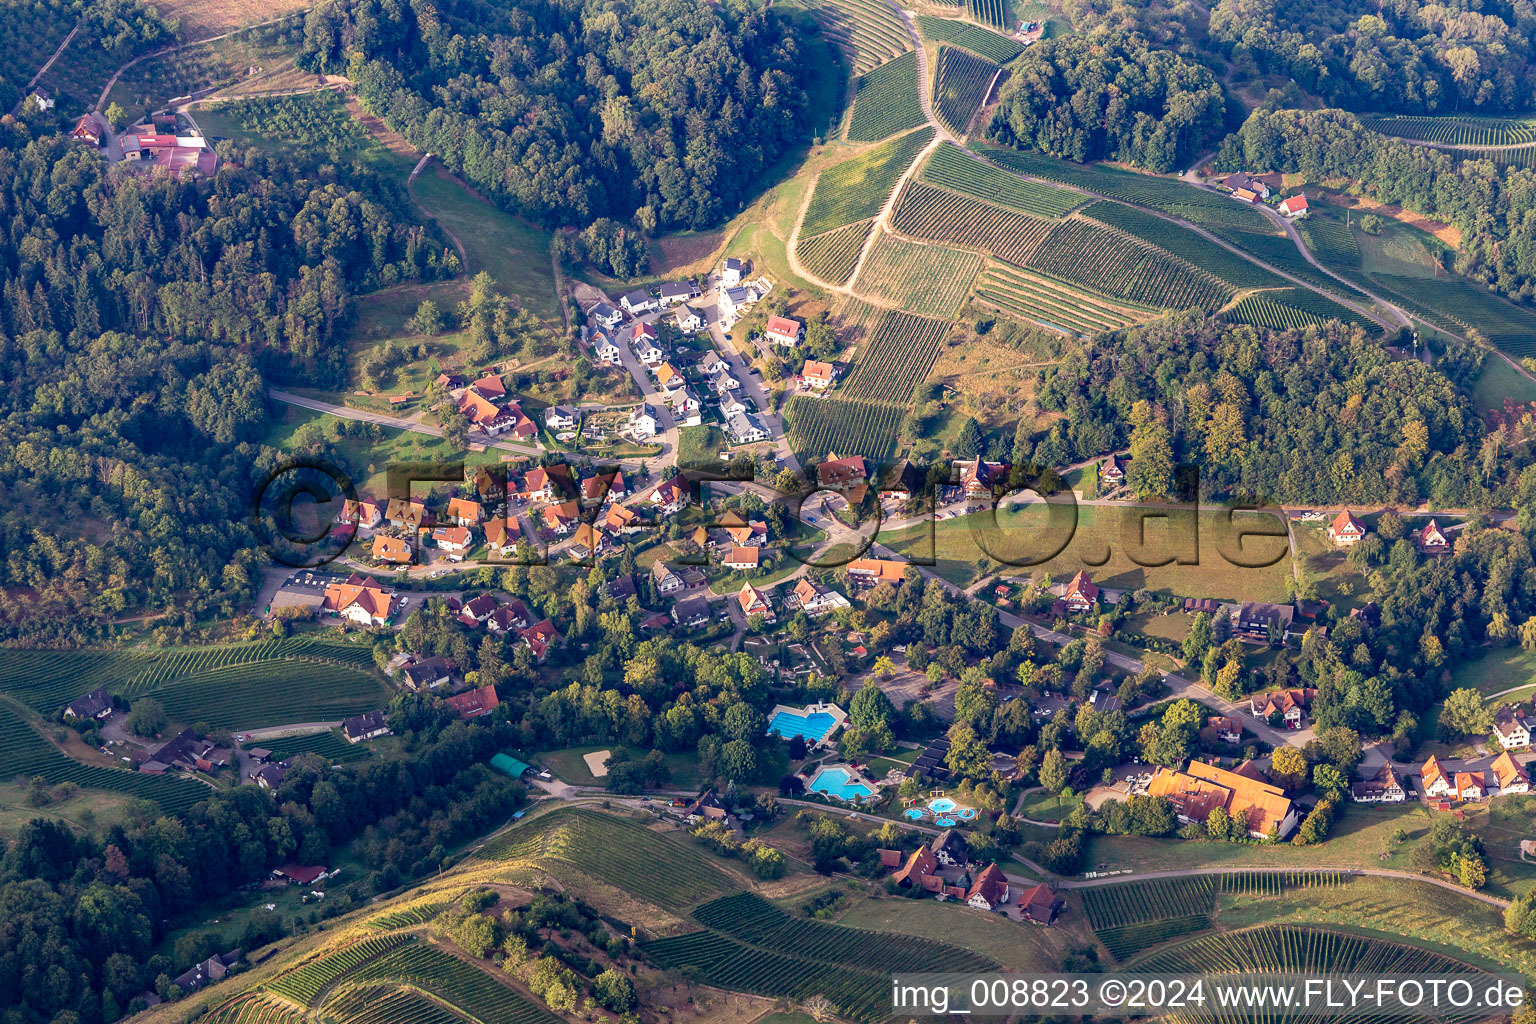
[(453, 980), (302, 984), (260, 694), (998, 49), (993, 12), (940, 215), (900, 354), (620, 852), (916, 277), (870, 32), (887, 101), (832, 255), (1292, 309), (376, 1004), (328, 745), (408, 915), (1454, 131), (753, 946), (253, 1008), (953, 168), (960, 87), (1330, 241), (1117, 265), (1051, 303), (847, 426), (1458, 306), (856, 189), (25, 754), (1197, 250)]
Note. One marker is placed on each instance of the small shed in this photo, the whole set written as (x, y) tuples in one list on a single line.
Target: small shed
[(509, 765)]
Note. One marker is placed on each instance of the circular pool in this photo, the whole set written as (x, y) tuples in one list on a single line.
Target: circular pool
[(945, 823), (915, 813), (942, 804), (967, 813)]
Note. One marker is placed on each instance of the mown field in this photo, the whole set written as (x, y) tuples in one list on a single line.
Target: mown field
[(886, 102), (857, 188), (920, 278)]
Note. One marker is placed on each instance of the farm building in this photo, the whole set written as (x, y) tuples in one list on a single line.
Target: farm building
[(360, 599), (1294, 207), (1382, 788), (361, 728), (96, 704), (509, 765)]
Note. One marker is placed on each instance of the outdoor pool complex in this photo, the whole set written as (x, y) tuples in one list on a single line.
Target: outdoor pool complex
[(812, 727), (837, 782), (945, 812)]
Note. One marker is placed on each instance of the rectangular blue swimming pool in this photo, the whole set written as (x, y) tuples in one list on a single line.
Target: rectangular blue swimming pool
[(809, 727)]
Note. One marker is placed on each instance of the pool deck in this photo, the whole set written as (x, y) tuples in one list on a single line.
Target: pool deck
[(854, 778), (838, 715)]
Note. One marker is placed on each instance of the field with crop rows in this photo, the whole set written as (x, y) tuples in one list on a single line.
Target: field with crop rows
[(303, 983), (253, 1008), (998, 49), (1461, 305), (378, 1004), (47, 680), (1044, 301), (617, 851), (260, 694), (1300, 949), (24, 754), (917, 277), (1330, 241), (869, 31), (845, 425), (900, 354), (953, 168), (1523, 157), (1197, 250), (1453, 130), (940, 215), (1281, 253), (1113, 263), (887, 102), (329, 745), (993, 12), (408, 915), (833, 254), (1292, 309), (960, 86), (857, 188), (455, 981)]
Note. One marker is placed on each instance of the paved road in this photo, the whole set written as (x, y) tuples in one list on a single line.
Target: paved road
[(346, 412)]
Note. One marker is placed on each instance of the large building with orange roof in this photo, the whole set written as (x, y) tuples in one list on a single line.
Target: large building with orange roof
[(361, 599), (1201, 788)]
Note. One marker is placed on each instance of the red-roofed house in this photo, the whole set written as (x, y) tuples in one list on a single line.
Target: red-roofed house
[(1040, 904), (990, 889), (753, 602), (742, 559), (1345, 530), (1081, 593), (539, 637), (818, 374), (784, 331), (360, 599), (474, 703), (840, 474), (454, 540), (1436, 782), (1294, 206)]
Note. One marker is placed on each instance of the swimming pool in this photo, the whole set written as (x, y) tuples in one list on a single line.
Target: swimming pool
[(837, 782), (814, 726), (942, 805)]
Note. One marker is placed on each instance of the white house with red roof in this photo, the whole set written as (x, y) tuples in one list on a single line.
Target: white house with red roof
[(1294, 207), (782, 330), (1082, 593), (1345, 530)]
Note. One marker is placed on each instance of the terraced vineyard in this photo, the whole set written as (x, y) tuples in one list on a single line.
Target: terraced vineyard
[(1524, 157), (1054, 304), (259, 694), (833, 254), (24, 754), (1459, 305), (752, 946), (845, 425), (446, 976), (940, 215), (376, 1004), (993, 12), (304, 983), (1077, 251), (887, 101), (899, 355), (1330, 241), (410, 914), (1454, 130), (615, 850), (960, 86), (856, 189), (1197, 250), (869, 31), (328, 745), (1292, 309), (919, 278), (999, 49), (254, 1008), (952, 168)]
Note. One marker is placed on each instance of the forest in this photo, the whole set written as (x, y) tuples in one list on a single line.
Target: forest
[(140, 320), (665, 114), (1405, 56), (1111, 97), (1494, 207)]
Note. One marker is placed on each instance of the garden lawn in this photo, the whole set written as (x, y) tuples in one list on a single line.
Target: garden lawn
[(568, 765), (1043, 806), (1499, 381), (1505, 668)]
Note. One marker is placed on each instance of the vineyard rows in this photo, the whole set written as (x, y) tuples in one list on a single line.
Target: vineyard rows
[(1052, 303), (953, 168), (1118, 265), (833, 254), (1292, 309), (623, 854), (869, 31), (960, 87), (993, 12), (750, 918), (1455, 131), (917, 277), (847, 426), (856, 189), (899, 355), (255, 695), (1301, 949), (24, 754), (1330, 241), (940, 215), (1524, 157), (254, 1008), (1281, 253), (982, 42), (376, 1004), (1197, 250), (1458, 306), (455, 981), (887, 101), (326, 744), (304, 983), (410, 914)]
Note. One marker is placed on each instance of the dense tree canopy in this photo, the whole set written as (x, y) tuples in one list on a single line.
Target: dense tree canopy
[(666, 112), (1401, 55)]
